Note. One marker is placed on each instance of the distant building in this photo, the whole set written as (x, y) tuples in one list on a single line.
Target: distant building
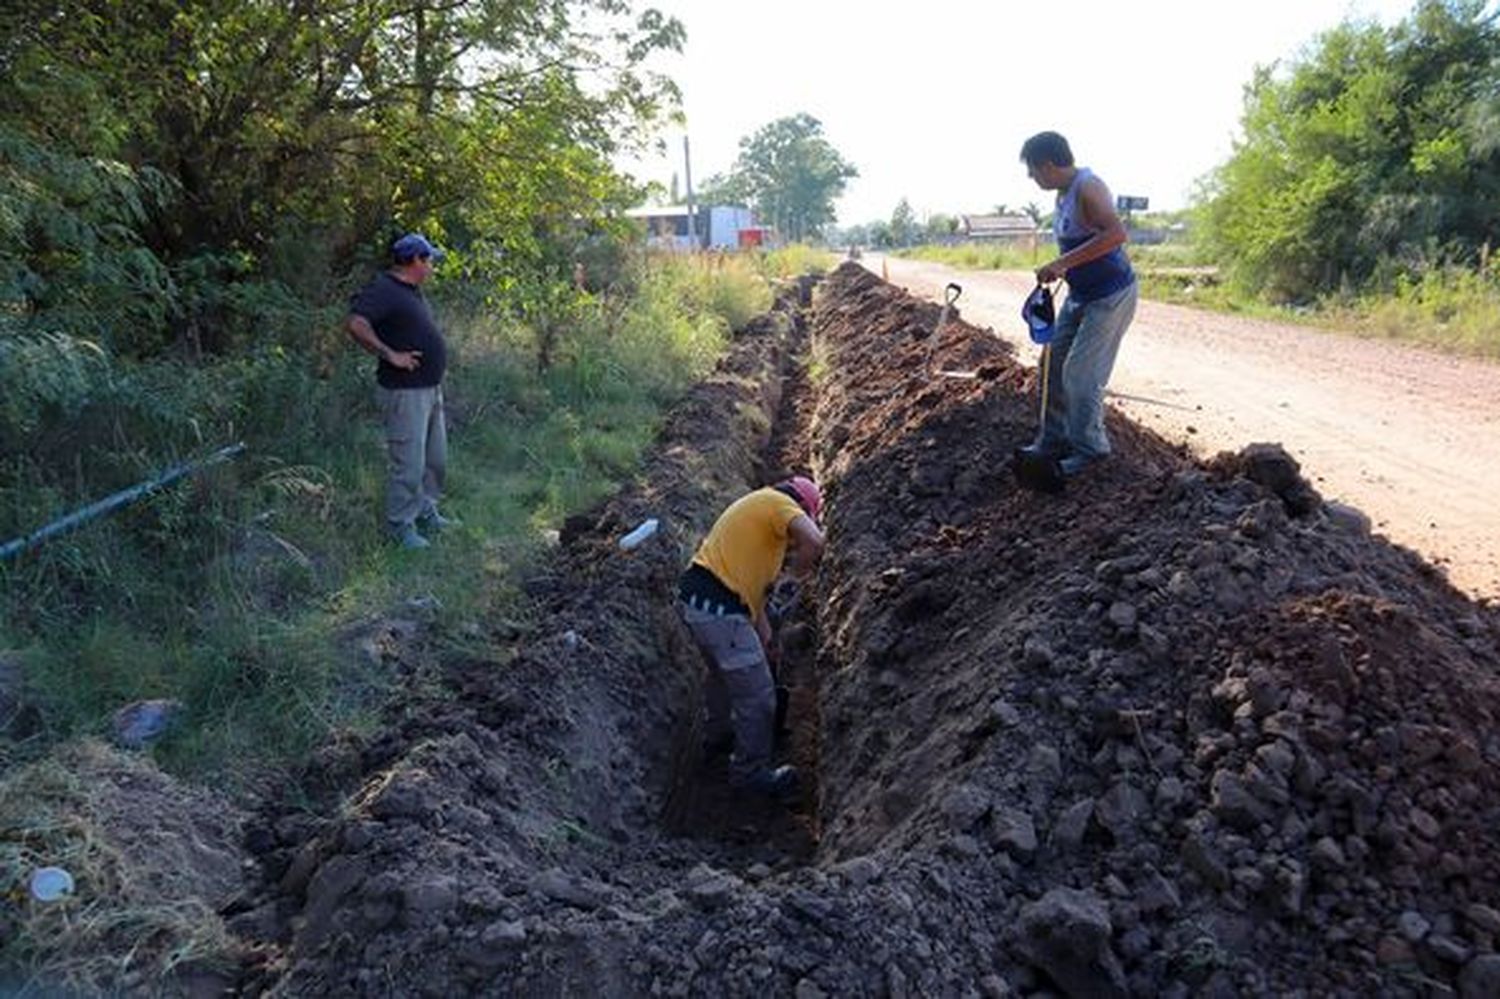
[(715, 226), (997, 228)]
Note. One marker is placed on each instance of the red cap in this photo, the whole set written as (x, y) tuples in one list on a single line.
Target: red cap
[(808, 494)]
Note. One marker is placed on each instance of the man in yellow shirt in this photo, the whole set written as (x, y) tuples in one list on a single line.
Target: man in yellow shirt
[(722, 599)]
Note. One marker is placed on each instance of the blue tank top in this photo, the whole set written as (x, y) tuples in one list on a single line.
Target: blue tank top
[(1098, 278)]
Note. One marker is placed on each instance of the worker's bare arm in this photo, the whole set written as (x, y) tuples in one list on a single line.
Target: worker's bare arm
[(806, 544), (1098, 212)]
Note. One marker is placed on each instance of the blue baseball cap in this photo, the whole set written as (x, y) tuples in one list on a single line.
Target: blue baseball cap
[(1039, 314), (412, 246)]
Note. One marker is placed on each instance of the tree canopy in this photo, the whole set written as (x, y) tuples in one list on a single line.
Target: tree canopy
[(903, 223), (1377, 152), (789, 173), (170, 167)]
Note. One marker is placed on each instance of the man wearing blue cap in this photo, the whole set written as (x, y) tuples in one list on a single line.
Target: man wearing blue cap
[(390, 318), (1102, 294)]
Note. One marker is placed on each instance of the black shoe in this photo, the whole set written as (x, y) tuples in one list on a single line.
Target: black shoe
[(720, 746), (1041, 451)]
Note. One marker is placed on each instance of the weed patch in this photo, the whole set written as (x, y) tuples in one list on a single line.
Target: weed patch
[(236, 592)]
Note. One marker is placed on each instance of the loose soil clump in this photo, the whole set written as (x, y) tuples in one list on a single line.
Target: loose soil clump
[(1182, 730)]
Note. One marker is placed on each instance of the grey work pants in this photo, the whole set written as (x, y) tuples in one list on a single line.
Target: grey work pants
[(739, 693), (416, 438)]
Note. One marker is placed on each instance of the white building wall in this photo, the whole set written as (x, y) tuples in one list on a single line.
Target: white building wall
[(724, 225)]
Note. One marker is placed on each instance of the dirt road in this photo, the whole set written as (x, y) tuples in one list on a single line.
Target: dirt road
[(1408, 436)]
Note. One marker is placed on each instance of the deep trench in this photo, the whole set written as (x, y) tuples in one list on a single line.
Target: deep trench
[(701, 804)]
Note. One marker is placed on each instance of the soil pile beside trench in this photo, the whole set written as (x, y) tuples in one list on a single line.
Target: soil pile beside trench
[(1182, 730)]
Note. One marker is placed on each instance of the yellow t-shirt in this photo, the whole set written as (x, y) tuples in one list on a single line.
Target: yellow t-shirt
[(747, 544)]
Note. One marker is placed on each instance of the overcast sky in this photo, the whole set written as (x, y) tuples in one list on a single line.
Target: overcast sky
[(933, 103)]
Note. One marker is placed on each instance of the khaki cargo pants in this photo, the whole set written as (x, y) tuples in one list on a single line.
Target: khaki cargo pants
[(416, 438)]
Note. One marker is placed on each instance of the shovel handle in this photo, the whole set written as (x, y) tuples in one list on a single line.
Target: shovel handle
[(951, 293)]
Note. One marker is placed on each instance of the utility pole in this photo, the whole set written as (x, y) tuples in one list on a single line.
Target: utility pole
[(687, 164)]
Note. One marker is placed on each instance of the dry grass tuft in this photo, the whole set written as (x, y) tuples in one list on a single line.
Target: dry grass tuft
[(151, 861)]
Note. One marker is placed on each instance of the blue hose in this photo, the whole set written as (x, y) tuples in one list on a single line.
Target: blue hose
[(109, 504)]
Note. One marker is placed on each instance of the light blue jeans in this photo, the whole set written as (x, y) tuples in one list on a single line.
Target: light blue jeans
[(1080, 361)]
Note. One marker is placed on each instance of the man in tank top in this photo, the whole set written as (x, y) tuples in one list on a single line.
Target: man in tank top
[(1102, 294)]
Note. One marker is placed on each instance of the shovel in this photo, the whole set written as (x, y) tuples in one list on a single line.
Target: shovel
[(950, 295), (1036, 470)]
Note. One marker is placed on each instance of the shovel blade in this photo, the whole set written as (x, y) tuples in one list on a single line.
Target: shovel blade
[(1039, 472)]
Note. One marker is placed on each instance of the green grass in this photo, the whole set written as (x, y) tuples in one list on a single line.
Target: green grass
[(1168, 256), (984, 256), (1447, 308), (1453, 310), (241, 593), (796, 259), (1024, 257)]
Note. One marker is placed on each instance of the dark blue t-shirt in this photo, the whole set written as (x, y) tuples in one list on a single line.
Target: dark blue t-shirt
[(403, 320)]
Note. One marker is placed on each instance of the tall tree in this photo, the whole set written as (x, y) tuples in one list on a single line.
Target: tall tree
[(721, 189), (791, 174), (903, 224), (941, 226), (285, 130)]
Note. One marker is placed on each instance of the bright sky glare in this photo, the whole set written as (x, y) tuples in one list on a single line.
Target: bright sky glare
[(931, 101)]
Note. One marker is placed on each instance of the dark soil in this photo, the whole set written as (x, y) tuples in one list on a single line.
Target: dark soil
[(1179, 731)]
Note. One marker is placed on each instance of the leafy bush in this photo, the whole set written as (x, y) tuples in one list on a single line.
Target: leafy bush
[(73, 263), (1374, 146)]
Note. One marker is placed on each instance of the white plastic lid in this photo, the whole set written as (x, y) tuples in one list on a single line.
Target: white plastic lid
[(48, 884)]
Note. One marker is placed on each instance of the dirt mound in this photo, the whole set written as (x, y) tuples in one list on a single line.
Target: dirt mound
[(1255, 739), (1177, 731), (152, 860)]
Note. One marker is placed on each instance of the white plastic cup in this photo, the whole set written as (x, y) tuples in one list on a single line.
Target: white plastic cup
[(48, 884), (639, 535)]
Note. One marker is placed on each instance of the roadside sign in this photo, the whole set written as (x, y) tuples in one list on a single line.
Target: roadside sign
[(1131, 203)]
